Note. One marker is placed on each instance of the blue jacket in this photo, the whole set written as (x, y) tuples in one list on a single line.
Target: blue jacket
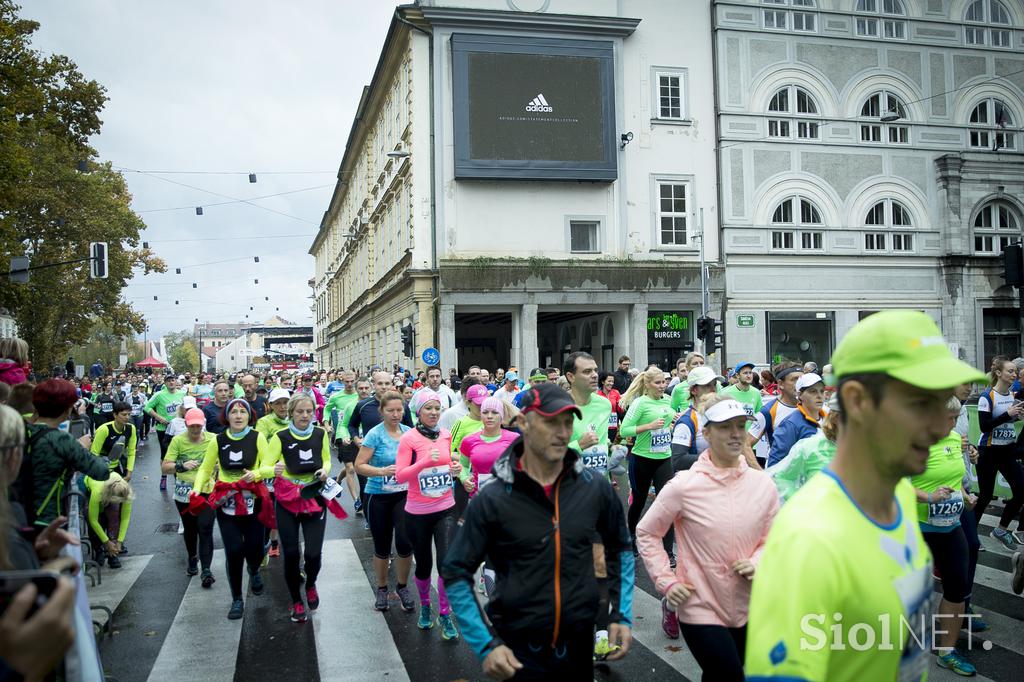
[(794, 427)]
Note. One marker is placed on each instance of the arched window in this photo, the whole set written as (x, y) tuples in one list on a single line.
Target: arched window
[(792, 100), (996, 226), (882, 19), (779, 18), (991, 123), (793, 220), (884, 109), (892, 217), (988, 24)]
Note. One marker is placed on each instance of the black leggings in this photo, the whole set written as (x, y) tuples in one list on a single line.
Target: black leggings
[(243, 544), (718, 650), (973, 545), (312, 525), (422, 528), (198, 531), (572, 658), (952, 558), (164, 442), (993, 459), (643, 471), (385, 513)]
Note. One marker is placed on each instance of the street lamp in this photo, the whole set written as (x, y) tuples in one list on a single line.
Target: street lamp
[(399, 154), (890, 116)]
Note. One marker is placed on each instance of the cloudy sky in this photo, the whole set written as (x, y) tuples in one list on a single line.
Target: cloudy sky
[(215, 86)]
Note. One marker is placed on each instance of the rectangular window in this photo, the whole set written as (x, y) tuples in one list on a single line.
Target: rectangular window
[(1001, 328), (870, 133), (782, 240), (979, 138), (673, 213), (811, 240), (874, 241), (778, 128), (974, 35), (583, 236), (903, 242), (894, 29), (984, 243), (775, 19), (804, 21), (891, 7), (867, 27), (807, 130), (899, 134), (1000, 38), (670, 97), (1004, 141)]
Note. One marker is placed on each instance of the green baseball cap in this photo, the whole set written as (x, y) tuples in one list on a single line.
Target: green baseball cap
[(906, 345)]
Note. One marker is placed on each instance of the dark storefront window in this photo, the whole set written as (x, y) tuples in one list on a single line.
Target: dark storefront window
[(1002, 333), (669, 337), (801, 337)]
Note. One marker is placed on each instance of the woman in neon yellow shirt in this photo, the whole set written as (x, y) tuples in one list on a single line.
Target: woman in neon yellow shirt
[(114, 498), (184, 455)]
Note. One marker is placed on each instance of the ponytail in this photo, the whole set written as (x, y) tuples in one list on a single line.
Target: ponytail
[(639, 385), (998, 362)]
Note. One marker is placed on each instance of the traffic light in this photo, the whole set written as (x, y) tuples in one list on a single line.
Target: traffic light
[(98, 260), (704, 327), (1013, 264), (408, 343), (709, 330)]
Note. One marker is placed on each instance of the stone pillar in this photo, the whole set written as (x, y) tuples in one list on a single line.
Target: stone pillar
[(637, 335), (446, 338), (529, 353)]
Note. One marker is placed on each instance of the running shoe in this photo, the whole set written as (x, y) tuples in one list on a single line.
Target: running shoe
[(955, 661), (358, 504), (426, 620), (113, 561), (237, 608), (124, 548), (669, 620), (312, 598), (193, 566), (274, 551), (381, 604), (256, 583), (298, 613), (1003, 537), (481, 587), (208, 579), (448, 629), (602, 647), (366, 524), (1018, 536), (405, 596), (1017, 582), (978, 624), (488, 584), (163, 484)]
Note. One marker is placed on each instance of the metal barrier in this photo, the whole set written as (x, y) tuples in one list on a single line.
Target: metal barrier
[(82, 661)]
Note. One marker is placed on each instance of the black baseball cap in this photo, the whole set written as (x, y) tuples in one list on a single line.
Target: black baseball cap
[(548, 400)]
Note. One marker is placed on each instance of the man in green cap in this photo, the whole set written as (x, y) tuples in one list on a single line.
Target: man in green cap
[(842, 590)]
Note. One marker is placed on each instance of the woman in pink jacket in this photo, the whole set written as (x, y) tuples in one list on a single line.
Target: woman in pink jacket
[(721, 511)]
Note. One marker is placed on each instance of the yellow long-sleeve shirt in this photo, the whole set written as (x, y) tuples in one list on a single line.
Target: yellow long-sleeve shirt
[(275, 455)]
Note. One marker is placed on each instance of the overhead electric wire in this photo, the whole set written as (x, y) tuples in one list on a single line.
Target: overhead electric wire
[(235, 201), (236, 238), (256, 172)]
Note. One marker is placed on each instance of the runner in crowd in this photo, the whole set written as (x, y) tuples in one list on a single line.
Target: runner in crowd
[(803, 423), (185, 453), (202, 390), (366, 414), (808, 456), (471, 423), (478, 451), (309, 389), (103, 405), (720, 542), (509, 387), (214, 409), (277, 418), (113, 499), (424, 463), (743, 390), (762, 430), (238, 497), (136, 400), (162, 406), (117, 441), (336, 412), (649, 418), (681, 390), (688, 439), (941, 499), (296, 457), (386, 498), (251, 393), (522, 635), (895, 375), (449, 398), (997, 412), (606, 384)]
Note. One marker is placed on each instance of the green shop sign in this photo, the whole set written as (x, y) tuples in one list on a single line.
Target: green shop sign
[(668, 326)]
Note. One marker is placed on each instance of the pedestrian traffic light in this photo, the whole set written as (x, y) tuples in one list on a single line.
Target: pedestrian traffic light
[(408, 344), (715, 337), (98, 260), (704, 327)]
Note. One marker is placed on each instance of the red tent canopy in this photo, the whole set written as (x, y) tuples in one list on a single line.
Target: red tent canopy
[(150, 362)]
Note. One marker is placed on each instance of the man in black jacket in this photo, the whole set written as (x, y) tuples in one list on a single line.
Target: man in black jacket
[(622, 376), (536, 522)]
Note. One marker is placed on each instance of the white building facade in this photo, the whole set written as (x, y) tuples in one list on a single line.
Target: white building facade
[(550, 166), (870, 157)]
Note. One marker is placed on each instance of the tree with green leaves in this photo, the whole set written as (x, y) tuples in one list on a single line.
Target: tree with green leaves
[(184, 357), (50, 209)]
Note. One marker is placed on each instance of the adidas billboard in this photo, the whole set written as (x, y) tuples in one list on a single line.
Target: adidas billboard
[(538, 103)]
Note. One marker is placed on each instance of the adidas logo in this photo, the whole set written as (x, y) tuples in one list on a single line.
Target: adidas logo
[(538, 103)]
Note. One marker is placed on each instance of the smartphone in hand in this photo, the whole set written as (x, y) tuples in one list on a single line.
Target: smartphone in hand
[(11, 583)]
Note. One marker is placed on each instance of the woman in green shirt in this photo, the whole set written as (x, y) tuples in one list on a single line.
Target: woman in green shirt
[(113, 497), (185, 452), (649, 418)]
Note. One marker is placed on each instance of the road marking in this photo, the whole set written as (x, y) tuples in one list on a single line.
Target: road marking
[(647, 630), (117, 582)]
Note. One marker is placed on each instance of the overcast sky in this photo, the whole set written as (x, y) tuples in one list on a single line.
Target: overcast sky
[(223, 85)]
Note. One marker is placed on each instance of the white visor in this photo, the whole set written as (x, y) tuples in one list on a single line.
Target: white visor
[(725, 410)]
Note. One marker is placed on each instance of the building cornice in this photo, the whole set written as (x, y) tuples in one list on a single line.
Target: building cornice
[(532, 22)]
